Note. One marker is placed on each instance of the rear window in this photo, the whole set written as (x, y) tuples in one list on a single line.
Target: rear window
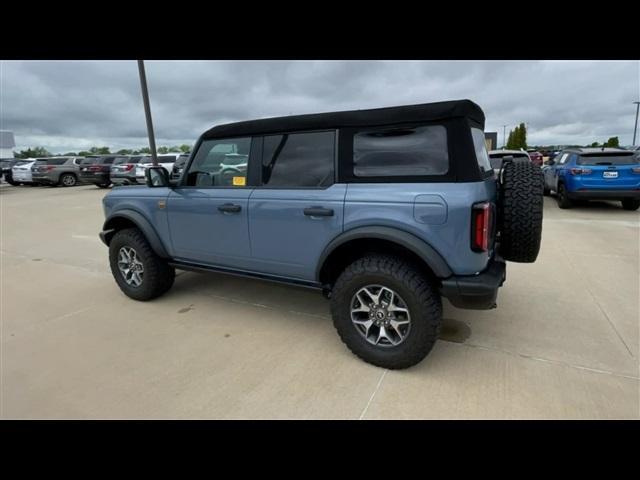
[(401, 151), (120, 160), (166, 159), (607, 159), (88, 161), (495, 159), (482, 156), (56, 161)]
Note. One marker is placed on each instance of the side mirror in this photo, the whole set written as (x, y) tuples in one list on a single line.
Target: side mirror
[(157, 177)]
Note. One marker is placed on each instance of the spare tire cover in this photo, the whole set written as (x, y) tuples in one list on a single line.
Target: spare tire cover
[(520, 211)]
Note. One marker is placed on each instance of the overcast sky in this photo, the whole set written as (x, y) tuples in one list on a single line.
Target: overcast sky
[(70, 106)]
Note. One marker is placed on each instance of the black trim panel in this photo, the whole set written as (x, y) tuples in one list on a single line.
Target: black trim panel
[(243, 273), (476, 292), (142, 223), (430, 256)]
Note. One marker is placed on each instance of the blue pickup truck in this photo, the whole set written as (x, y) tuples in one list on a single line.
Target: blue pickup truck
[(594, 174), (384, 211)]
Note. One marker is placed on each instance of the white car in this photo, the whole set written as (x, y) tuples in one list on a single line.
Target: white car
[(165, 160), (21, 171)]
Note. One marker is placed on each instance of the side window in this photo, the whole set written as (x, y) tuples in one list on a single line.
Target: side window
[(564, 158), (403, 151), (220, 163), (298, 160)]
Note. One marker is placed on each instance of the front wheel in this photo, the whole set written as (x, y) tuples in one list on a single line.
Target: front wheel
[(631, 204), (386, 311), (138, 271)]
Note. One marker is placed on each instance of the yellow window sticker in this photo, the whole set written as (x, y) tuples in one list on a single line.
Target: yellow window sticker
[(239, 181)]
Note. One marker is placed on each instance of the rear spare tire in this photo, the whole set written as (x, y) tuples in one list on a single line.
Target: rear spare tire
[(520, 211)]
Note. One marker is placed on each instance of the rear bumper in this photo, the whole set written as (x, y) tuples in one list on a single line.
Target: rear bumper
[(476, 292), (603, 194)]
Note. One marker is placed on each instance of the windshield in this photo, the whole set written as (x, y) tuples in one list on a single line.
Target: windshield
[(607, 159)]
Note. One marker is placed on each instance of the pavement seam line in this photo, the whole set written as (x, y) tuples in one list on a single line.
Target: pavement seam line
[(545, 360), (598, 303), (373, 395)]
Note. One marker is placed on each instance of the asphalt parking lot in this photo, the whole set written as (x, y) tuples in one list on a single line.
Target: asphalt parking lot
[(563, 342)]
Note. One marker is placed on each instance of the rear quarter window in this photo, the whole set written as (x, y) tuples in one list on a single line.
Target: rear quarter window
[(401, 151), (482, 156)]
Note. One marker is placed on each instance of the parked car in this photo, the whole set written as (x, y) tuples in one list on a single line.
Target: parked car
[(166, 161), (7, 164), (536, 157), (385, 211), (55, 171), (21, 172), (178, 167), (125, 173), (594, 174), (496, 156), (98, 169)]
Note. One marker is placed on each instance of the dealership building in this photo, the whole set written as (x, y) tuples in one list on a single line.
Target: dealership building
[(7, 144)]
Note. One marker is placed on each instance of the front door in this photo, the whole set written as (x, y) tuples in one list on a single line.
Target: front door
[(208, 212)]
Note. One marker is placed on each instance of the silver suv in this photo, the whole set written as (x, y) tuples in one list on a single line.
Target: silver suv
[(63, 171)]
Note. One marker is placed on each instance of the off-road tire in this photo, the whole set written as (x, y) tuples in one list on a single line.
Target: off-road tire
[(546, 192), (158, 274), (630, 204), (419, 293), (68, 175), (520, 211), (11, 182), (564, 201)]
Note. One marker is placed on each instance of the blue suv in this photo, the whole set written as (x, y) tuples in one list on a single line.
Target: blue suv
[(594, 174), (384, 211)]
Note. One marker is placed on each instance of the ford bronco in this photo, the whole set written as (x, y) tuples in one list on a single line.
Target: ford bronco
[(384, 211)]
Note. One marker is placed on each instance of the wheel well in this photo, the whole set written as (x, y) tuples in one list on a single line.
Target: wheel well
[(350, 251), (116, 224)]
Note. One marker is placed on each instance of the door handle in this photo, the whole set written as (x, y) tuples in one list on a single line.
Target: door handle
[(318, 212), (229, 208)]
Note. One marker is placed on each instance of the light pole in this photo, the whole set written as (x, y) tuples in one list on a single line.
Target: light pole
[(504, 136), (635, 128), (147, 112)]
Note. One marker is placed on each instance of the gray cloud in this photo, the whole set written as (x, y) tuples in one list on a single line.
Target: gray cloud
[(73, 105)]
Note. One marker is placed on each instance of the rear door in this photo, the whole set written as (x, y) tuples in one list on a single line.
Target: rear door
[(297, 209)]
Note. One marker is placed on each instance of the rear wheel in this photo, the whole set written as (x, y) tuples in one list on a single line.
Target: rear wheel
[(563, 200), (386, 311), (138, 271), (630, 203), (68, 180)]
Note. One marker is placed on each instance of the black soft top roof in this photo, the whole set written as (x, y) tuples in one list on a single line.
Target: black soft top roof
[(353, 118)]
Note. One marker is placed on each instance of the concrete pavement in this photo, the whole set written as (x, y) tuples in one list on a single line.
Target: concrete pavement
[(563, 342)]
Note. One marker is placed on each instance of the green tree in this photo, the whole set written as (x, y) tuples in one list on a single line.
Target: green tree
[(32, 153), (522, 136), (594, 144), (163, 149), (145, 150), (99, 150), (70, 154), (124, 151), (612, 142), (185, 148), (510, 140)]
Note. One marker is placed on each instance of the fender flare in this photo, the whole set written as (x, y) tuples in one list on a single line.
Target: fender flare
[(141, 222), (425, 251)]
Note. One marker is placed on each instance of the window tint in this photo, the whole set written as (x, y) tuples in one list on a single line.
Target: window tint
[(496, 158), (298, 160), (166, 159), (563, 158), (211, 166), (56, 161), (624, 159), (482, 156), (402, 151), (182, 160), (88, 161)]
